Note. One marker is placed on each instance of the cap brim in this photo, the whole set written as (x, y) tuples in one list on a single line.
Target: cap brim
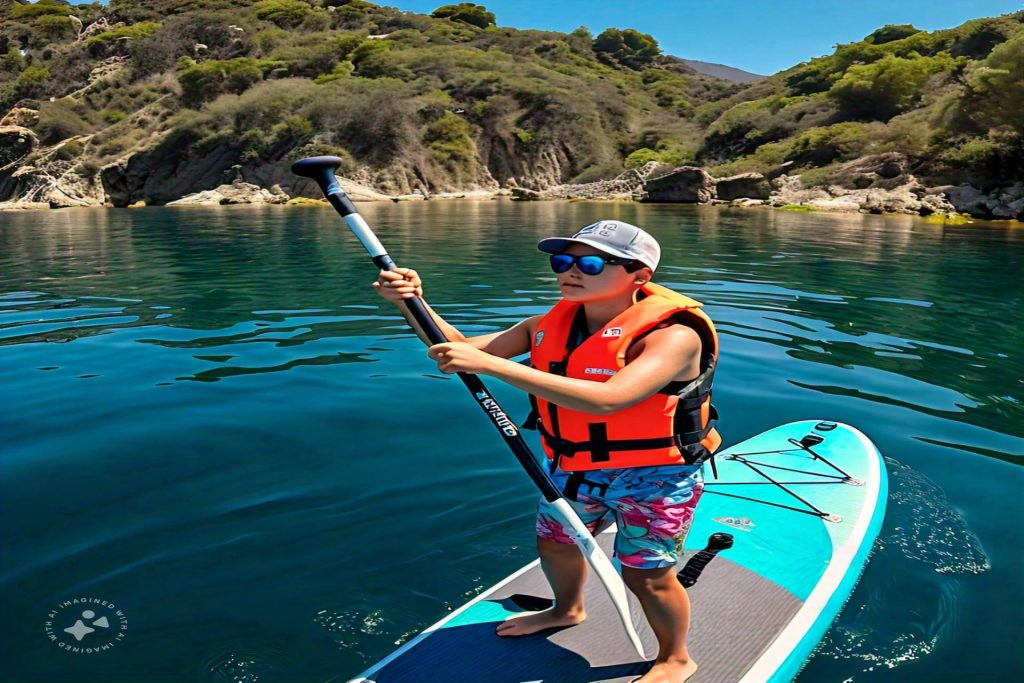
[(554, 245)]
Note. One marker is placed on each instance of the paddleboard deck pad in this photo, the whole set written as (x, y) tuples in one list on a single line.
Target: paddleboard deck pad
[(803, 504)]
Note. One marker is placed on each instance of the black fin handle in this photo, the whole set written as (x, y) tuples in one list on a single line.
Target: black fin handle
[(691, 572)]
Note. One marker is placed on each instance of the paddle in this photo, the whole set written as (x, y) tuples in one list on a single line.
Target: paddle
[(321, 170)]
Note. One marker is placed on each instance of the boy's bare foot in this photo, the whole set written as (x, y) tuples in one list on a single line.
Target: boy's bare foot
[(530, 622), (672, 671)]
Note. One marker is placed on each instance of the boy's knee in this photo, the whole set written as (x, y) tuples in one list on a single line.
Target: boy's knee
[(648, 580)]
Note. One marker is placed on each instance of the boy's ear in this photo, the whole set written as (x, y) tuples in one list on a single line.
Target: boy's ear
[(643, 276)]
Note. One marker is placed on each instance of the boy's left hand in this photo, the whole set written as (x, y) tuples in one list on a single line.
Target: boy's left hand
[(455, 357)]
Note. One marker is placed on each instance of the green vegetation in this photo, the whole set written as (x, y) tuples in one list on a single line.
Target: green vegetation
[(141, 30), (466, 12), (628, 48), (949, 100), (452, 100)]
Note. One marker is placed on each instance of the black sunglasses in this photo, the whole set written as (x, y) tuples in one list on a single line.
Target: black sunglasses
[(591, 264)]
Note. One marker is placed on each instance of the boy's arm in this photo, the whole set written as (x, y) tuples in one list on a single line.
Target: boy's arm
[(667, 353)]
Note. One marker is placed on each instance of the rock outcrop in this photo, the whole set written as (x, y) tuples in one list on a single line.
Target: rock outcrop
[(909, 197), (686, 184), (237, 192), (15, 144), (742, 186), (626, 185), (1000, 204)]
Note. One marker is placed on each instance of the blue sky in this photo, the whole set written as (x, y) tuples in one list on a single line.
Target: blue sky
[(762, 36)]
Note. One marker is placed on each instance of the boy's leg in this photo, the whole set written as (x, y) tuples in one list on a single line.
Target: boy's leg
[(667, 608), (654, 509), (563, 565), (566, 571)]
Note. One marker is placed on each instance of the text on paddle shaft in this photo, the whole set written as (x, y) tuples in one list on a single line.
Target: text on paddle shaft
[(497, 414)]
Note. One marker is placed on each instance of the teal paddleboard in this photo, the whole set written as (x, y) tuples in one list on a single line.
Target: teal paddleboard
[(793, 514)]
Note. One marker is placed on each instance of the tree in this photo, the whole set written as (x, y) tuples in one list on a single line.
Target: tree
[(284, 13), (466, 12), (629, 48), (882, 89), (891, 32), (995, 95)]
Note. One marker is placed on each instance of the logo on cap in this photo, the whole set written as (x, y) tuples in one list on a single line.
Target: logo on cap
[(602, 228)]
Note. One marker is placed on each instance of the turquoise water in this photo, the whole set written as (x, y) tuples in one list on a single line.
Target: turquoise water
[(210, 420)]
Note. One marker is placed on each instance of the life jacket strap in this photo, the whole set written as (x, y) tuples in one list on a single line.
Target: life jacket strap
[(533, 416), (599, 445)]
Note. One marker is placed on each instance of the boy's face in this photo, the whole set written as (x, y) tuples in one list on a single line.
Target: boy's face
[(611, 282)]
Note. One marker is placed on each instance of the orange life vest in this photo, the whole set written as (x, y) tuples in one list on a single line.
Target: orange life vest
[(673, 427)]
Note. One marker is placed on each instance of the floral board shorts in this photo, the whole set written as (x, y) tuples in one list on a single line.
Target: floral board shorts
[(651, 506)]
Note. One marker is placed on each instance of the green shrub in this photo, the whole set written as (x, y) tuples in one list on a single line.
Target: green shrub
[(39, 9), (839, 142), (133, 32), (640, 157), (467, 13), (976, 39), (112, 116), (203, 81), (629, 48), (884, 88), (319, 56), (669, 153), (375, 59), (12, 62), (284, 13), (995, 95), (974, 153), (54, 26), (341, 70), (891, 32), (31, 82), (448, 139)]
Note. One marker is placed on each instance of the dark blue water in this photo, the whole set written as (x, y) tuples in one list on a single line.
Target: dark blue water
[(209, 420)]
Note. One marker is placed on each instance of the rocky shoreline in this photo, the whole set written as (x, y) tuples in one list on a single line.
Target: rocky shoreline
[(878, 184)]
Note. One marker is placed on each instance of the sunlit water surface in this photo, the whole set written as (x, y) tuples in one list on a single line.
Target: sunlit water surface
[(210, 420)]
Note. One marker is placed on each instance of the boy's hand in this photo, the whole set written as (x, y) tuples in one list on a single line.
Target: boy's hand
[(455, 357), (396, 285)]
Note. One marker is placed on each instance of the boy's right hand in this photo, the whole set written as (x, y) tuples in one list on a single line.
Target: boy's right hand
[(399, 284)]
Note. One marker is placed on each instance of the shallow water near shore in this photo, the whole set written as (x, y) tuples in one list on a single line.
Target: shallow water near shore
[(210, 420)]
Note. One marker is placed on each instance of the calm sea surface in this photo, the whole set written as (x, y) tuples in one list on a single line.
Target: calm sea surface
[(208, 419)]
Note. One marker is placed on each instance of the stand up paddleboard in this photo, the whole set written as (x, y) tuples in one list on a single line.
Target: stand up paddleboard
[(779, 540)]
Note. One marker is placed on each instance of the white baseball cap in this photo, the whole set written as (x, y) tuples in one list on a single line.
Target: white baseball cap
[(612, 237)]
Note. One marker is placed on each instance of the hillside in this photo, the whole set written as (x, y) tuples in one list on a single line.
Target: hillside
[(945, 106), (152, 100), (158, 98)]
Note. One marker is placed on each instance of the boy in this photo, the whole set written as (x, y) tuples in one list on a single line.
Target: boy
[(620, 381)]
